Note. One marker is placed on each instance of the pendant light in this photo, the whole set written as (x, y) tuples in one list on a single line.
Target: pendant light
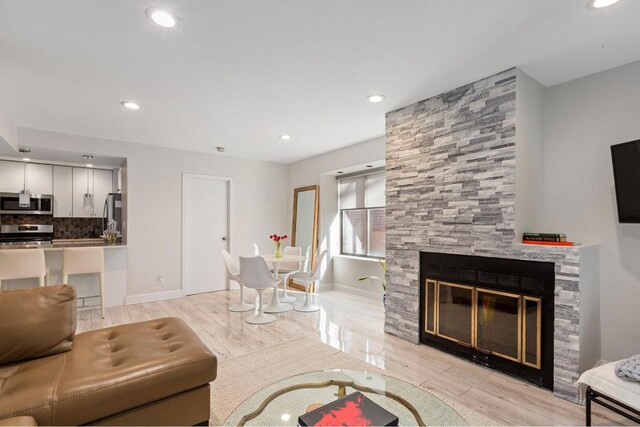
[(24, 197), (87, 202)]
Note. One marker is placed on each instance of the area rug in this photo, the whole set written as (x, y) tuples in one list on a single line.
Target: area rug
[(240, 377)]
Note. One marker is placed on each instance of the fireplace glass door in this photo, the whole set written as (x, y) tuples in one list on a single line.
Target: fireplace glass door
[(430, 307), (531, 352), (493, 322), (455, 312), (498, 323)]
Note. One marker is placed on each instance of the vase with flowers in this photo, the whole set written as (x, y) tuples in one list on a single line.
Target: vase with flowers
[(111, 234), (278, 241)]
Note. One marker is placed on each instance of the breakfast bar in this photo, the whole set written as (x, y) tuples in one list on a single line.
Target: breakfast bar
[(87, 287)]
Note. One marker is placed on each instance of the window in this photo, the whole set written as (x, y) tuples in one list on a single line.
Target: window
[(362, 215)]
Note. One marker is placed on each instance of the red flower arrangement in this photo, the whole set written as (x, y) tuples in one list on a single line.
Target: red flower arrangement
[(277, 239)]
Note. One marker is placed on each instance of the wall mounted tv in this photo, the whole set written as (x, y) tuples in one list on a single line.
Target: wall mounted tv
[(626, 174)]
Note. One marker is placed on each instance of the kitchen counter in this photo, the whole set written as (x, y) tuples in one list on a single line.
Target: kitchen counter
[(87, 289), (59, 244)]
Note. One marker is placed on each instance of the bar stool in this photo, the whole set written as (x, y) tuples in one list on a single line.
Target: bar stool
[(84, 261), (23, 264)]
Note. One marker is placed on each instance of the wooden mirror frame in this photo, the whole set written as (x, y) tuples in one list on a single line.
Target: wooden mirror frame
[(314, 244)]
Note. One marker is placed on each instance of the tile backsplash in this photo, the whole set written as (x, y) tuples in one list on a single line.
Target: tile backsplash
[(63, 228)]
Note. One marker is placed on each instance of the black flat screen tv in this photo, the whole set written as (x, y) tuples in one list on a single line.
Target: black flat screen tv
[(626, 175)]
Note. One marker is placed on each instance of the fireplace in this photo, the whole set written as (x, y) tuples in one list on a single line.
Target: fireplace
[(494, 311)]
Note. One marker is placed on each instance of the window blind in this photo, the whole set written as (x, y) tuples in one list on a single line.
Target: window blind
[(364, 191)]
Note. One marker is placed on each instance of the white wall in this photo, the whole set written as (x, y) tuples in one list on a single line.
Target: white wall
[(529, 154), (153, 178), (583, 119), (8, 134), (313, 171)]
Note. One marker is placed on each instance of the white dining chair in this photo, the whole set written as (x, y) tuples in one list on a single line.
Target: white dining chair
[(23, 264), (287, 268), (233, 273), (306, 279), (254, 273), (84, 261)]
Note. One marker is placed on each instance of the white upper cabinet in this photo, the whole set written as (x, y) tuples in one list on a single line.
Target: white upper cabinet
[(62, 191), (98, 183), (67, 184), (11, 176), (39, 178), (102, 186), (82, 184)]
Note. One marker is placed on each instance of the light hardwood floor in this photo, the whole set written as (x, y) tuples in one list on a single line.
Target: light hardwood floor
[(355, 326)]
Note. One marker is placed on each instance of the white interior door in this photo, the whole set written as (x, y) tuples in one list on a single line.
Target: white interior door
[(205, 228)]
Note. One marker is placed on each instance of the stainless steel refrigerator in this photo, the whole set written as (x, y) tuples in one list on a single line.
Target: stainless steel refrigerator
[(113, 211)]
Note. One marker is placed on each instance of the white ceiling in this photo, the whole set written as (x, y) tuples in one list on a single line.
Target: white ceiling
[(238, 73)]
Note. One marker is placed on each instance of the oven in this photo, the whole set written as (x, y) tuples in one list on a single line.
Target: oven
[(26, 235), (39, 204)]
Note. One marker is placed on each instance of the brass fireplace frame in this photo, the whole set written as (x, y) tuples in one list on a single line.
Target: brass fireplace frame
[(538, 302), (433, 286)]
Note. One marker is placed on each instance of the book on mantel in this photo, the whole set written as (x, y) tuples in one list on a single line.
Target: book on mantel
[(354, 409), (544, 237)]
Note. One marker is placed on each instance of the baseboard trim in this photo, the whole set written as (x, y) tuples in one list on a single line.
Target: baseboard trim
[(323, 287), (153, 296), (363, 293)]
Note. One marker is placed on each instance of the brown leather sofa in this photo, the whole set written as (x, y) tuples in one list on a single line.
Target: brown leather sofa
[(148, 373)]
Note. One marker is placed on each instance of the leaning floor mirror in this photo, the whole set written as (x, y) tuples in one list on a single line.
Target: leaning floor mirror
[(304, 233)]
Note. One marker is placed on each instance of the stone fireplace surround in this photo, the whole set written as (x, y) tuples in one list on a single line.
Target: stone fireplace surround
[(451, 165)]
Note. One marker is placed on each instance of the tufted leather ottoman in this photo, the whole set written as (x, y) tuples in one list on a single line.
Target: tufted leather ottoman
[(154, 373)]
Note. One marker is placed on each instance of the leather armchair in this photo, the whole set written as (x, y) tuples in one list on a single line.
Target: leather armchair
[(148, 373)]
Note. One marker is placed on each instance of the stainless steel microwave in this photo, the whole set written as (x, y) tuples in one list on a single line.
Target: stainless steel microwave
[(39, 204)]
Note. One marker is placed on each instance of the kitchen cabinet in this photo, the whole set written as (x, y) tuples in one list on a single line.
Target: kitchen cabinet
[(11, 176), (102, 186), (39, 178), (97, 182), (62, 192)]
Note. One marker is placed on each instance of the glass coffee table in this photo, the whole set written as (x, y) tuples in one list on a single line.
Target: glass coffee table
[(282, 402)]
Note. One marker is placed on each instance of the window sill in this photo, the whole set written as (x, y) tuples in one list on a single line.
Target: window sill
[(359, 258)]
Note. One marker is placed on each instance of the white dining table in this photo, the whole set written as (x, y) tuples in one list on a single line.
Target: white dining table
[(275, 306)]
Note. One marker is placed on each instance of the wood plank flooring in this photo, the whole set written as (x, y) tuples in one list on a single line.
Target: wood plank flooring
[(355, 326)]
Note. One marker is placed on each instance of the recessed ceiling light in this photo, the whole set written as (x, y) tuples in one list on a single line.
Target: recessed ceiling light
[(340, 172), (601, 4), (375, 98), (220, 149), (369, 166), (87, 156), (130, 105), (162, 17), (285, 137), (26, 159), (24, 150)]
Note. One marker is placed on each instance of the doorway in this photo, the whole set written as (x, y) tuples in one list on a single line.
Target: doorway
[(205, 232)]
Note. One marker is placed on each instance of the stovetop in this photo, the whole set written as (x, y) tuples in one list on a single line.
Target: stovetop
[(26, 234)]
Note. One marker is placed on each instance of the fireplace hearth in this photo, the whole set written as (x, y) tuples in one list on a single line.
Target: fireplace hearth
[(494, 311)]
